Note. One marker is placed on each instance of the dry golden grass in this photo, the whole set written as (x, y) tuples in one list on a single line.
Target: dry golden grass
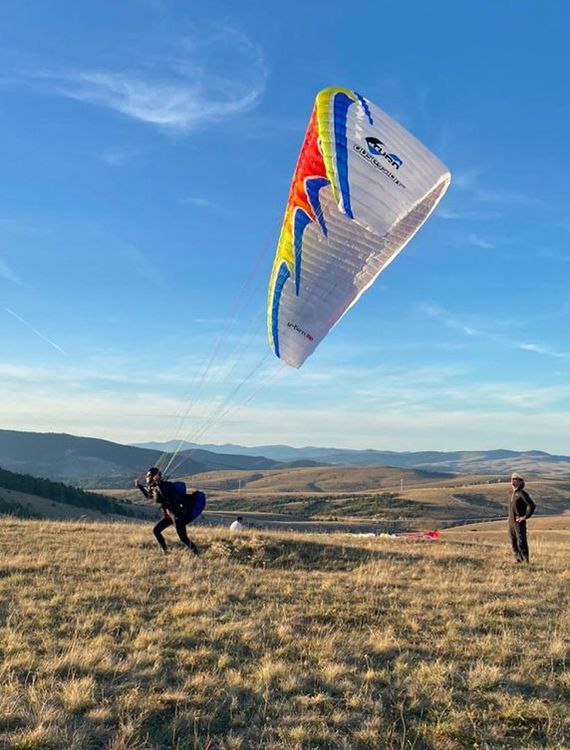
[(277, 641), (551, 495), (370, 494), (424, 504), (544, 532), (319, 479)]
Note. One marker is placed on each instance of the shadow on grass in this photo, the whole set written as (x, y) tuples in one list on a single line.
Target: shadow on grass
[(298, 555), (291, 554)]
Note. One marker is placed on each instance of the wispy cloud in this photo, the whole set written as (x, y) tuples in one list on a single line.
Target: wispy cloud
[(149, 271), (476, 241), (205, 81), (434, 407), (504, 196), (8, 274), (199, 202), (116, 157), (470, 181), (448, 214), (549, 254), (450, 321), (457, 324), (402, 429), (541, 349), (34, 330), (467, 179)]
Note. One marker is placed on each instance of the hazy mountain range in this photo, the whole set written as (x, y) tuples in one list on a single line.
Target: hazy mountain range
[(459, 462), (92, 462)]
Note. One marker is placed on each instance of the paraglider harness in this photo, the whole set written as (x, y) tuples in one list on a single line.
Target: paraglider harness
[(174, 500), (192, 505)]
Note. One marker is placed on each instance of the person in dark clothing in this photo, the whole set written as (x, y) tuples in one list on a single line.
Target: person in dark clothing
[(521, 507), (173, 506)]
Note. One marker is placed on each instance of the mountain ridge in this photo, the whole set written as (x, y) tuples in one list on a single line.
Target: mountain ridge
[(94, 462), (492, 461)]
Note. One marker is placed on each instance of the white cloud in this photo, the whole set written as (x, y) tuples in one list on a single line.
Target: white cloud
[(205, 81), (549, 254), (435, 407), (116, 157), (449, 214), (148, 270), (541, 349), (23, 374), (466, 179), (504, 196), (469, 181), (200, 202), (449, 320), (8, 274), (410, 428), (457, 324), (476, 241)]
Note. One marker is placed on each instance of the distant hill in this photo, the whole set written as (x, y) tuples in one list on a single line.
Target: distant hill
[(95, 463), (91, 462), (320, 479), (243, 462), (26, 496), (361, 499), (395, 497), (534, 462), (69, 458)]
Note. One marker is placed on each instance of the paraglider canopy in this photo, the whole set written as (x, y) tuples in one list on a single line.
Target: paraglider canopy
[(362, 188)]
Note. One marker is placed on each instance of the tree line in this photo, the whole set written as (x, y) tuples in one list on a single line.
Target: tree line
[(62, 493)]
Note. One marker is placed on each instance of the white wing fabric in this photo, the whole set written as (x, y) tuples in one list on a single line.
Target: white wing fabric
[(362, 188)]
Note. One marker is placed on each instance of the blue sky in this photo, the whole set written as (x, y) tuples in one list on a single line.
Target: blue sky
[(147, 148)]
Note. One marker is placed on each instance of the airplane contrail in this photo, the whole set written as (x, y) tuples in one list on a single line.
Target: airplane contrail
[(41, 336)]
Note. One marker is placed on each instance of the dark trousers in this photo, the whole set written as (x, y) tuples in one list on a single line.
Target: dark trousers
[(517, 532), (180, 525)]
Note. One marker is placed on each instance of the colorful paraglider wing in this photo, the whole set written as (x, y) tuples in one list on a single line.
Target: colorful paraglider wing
[(362, 188)]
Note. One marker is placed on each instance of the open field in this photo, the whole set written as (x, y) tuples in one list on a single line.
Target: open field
[(318, 479), (393, 500), (543, 532), (278, 641), (385, 497)]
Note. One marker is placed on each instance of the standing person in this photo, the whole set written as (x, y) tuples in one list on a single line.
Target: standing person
[(174, 506), (521, 507)]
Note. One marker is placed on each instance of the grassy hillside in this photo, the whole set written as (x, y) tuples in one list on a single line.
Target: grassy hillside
[(23, 505), (398, 498), (318, 479), (490, 499), (542, 531), (277, 642), (28, 496)]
